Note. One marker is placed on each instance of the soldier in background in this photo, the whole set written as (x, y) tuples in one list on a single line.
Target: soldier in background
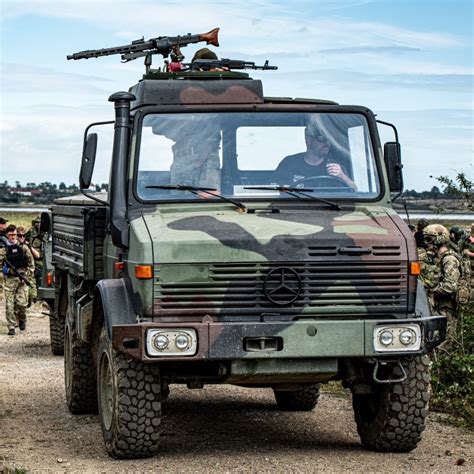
[(33, 289), (419, 236), (3, 241), (456, 239), (36, 240), (442, 279), (16, 290)]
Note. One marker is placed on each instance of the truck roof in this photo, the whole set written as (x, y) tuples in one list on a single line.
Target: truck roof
[(206, 88)]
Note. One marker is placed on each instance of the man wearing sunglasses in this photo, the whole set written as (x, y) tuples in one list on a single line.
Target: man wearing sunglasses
[(311, 167), (20, 261)]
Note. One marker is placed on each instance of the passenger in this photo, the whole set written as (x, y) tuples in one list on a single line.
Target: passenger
[(299, 169), (196, 160)]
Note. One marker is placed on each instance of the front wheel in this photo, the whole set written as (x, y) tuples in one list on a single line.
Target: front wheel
[(392, 417), (129, 394), (304, 398)]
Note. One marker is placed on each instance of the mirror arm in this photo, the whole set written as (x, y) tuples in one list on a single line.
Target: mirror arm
[(90, 196), (391, 126)]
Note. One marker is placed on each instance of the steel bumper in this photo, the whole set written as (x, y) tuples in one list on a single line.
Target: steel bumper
[(334, 338)]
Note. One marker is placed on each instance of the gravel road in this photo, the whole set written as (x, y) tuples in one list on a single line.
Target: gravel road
[(216, 429)]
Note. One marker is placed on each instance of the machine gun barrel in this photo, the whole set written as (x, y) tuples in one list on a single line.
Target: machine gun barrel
[(162, 45)]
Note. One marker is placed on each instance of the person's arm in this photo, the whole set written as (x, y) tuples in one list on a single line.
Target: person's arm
[(34, 252), (450, 274), (30, 262), (336, 170)]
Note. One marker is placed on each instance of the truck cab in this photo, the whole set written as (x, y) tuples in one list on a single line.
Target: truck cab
[(220, 256)]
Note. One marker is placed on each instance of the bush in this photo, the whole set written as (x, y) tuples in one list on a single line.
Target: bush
[(453, 371)]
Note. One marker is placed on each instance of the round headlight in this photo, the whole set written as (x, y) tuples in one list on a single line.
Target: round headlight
[(386, 338), (160, 342), (407, 337), (182, 341)]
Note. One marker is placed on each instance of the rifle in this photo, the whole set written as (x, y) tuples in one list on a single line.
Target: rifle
[(225, 64), (16, 272), (164, 45)]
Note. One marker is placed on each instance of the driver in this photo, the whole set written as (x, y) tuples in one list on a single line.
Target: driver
[(314, 162)]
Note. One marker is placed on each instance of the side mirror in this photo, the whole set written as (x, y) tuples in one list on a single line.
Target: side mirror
[(393, 161), (88, 159), (45, 223)]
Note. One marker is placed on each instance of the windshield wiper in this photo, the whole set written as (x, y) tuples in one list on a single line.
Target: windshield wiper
[(195, 190), (296, 192)]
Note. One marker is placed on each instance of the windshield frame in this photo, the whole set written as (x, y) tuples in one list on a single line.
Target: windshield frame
[(142, 112)]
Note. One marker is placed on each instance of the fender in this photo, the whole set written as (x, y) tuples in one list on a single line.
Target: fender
[(422, 305), (116, 303)]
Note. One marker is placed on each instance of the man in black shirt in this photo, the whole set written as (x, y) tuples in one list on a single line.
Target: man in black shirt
[(295, 170), (419, 235)]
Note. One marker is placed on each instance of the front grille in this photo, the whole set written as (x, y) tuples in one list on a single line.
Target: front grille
[(350, 287)]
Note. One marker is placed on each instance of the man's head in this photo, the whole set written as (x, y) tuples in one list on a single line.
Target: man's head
[(11, 233), (436, 235), (317, 140), (21, 233), (422, 223), (456, 233), (3, 224)]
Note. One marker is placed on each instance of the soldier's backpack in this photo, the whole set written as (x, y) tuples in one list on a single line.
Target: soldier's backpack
[(463, 292)]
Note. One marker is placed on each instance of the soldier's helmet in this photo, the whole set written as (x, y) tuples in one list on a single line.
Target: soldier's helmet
[(458, 232), (436, 234), (204, 53), (422, 223)]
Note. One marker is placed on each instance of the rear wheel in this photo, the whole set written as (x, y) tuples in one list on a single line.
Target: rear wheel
[(392, 417), (129, 394), (79, 375), (304, 398)]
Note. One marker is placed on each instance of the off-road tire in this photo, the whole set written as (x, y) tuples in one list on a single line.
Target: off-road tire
[(393, 417), (304, 398), (56, 333), (129, 394), (79, 375)]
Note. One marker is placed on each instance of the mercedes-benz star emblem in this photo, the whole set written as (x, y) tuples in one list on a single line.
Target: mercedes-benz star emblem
[(282, 286)]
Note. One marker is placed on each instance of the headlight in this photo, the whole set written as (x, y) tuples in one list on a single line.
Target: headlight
[(182, 341), (406, 337), (160, 341), (386, 338), (397, 338), (171, 342)]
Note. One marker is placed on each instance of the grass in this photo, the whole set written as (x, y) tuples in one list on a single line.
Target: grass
[(19, 218)]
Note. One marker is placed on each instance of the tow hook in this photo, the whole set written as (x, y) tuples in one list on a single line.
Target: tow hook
[(383, 364)]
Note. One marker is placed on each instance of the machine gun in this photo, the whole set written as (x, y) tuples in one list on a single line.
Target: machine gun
[(164, 45), (16, 271), (223, 64)]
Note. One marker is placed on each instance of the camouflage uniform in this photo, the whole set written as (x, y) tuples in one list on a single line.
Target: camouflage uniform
[(35, 240), (16, 291), (197, 164), (428, 266), (441, 274), (441, 284)]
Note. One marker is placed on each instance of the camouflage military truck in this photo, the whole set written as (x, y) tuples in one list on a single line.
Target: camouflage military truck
[(199, 267)]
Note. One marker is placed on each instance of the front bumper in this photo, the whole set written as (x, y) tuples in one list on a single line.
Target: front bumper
[(316, 339)]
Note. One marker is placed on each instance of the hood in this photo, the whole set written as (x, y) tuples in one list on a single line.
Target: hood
[(217, 236)]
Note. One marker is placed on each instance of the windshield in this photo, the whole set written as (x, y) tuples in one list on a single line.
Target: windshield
[(249, 155)]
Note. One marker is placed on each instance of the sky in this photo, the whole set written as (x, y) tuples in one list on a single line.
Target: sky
[(409, 61)]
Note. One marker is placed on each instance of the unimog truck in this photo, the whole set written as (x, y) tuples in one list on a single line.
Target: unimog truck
[(201, 265)]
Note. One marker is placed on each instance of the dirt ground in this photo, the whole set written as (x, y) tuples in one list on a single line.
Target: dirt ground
[(216, 429)]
